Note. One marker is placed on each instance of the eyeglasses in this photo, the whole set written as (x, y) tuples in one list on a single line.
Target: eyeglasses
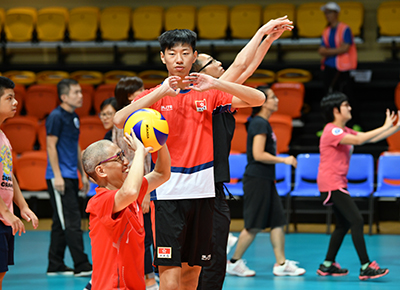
[(207, 64), (274, 97), (119, 157), (106, 115)]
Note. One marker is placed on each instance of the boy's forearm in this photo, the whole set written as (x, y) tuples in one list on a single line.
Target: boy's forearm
[(145, 102), (3, 207), (19, 199), (248, 95)]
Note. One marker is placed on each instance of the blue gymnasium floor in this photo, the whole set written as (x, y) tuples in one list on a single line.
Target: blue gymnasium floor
[(31, 262)]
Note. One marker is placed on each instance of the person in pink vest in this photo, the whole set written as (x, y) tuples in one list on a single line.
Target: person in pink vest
[(339, 56)]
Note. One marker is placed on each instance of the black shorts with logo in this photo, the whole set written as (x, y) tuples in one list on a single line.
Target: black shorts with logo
[(183, 231)]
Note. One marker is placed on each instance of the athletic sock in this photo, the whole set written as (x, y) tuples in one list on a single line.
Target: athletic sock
[(327, 264), (364, 266), (233, 260)]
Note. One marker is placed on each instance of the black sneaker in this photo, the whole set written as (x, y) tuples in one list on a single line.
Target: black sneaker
[(64, 270), (84, 270), (372, 271), (332, 270)]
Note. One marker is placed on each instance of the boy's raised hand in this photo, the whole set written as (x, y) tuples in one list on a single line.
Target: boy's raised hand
[(199, 82), (170, 86)]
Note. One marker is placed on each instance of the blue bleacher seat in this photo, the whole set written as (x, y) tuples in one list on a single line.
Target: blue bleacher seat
[(237, 166)]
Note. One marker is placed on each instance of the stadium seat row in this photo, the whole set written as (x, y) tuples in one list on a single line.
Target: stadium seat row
[(150, 78), (38, 100), (211, 21), (34, 132)]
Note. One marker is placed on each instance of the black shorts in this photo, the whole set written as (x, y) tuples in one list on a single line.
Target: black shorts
[(183, 231), (262, 206), (6, 247)]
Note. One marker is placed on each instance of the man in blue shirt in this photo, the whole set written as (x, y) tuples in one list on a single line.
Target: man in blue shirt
[(64, 161)]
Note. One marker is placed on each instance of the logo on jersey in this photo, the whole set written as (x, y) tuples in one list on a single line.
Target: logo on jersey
[(6, 164), (76, 122), (206, 257), (337, 131), (164, 252), (273, 136), (201, 105), (166, 108)]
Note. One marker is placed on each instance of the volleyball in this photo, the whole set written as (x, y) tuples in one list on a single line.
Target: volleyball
[(149, 126)]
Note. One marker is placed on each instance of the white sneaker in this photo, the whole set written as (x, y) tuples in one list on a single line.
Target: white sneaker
[(239, 268), (231, 242), (290, 268)]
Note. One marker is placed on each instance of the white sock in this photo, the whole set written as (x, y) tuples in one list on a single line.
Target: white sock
[(152, 287)]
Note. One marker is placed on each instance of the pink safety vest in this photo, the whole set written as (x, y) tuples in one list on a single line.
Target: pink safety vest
[(346, 61)]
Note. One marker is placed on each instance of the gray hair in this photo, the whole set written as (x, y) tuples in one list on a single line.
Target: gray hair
[(94, 154)]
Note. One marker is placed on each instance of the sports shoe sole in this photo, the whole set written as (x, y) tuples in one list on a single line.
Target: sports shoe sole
[(319, 272), (374, 277), (60, 273), (289, 274), (83, 274), (241, 275)]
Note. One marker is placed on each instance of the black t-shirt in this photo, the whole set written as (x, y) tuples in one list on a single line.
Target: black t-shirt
[(223, 128), (108, 135), (257, 126)]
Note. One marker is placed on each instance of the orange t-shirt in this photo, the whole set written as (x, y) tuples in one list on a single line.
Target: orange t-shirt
[(117, 242)]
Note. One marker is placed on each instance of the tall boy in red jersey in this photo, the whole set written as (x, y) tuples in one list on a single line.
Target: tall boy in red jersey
[(185, 204)]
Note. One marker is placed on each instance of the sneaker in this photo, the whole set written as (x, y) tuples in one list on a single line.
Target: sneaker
[(231, 242), (372, 271), (83, 270), (290, 268), (239, 268), (65, 271), (332, 270)]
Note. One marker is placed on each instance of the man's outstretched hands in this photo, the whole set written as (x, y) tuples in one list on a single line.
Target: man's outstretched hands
[(275, 27)]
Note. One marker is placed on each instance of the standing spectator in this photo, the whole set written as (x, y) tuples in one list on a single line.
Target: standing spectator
[(339, 56), (10, 192), (262, 206), (64, 161), (336, 146)]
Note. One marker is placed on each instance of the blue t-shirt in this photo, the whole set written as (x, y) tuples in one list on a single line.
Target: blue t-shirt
[(331, 60), (65, 126)]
